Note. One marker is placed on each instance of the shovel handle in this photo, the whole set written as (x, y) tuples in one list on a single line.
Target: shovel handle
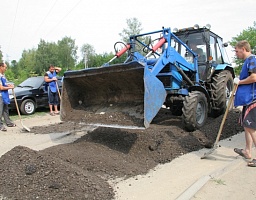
[(16, 104), (18, 111), (58, 90), (226, 113)]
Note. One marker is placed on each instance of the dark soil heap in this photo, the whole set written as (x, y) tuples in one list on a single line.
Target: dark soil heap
[(80, 170), (27, 174)]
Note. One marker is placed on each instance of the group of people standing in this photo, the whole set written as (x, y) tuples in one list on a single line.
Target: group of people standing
[(53, 98)]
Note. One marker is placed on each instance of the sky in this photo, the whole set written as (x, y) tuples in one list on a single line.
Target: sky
[(99, 22)]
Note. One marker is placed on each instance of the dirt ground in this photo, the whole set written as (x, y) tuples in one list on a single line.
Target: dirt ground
[(82, 169)]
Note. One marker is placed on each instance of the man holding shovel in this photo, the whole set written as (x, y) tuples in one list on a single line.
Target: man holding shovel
[(246, 97), (51, 79)]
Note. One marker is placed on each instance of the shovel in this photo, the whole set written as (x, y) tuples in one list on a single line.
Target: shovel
[(215, 146), (58, 89), (17, 107)]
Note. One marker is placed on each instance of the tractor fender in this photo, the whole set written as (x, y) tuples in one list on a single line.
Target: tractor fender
[(222, 67), (203, 90)]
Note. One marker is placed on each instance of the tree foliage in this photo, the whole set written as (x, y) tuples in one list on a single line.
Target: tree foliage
[(26, 66), (47, 53), (67, 53), (36, 61), (133, 28), (88, 55), (248, 34), (1, 55)]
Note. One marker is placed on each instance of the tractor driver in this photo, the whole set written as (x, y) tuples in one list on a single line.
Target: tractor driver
[(198, 51), (201, 58)]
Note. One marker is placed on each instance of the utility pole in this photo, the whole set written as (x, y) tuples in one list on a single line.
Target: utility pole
[(85, 60), (7, 58)]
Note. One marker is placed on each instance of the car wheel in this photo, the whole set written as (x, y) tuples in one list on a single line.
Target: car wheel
[(28, 107)]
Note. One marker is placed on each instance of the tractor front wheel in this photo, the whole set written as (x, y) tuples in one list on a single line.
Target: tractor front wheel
[(222, 87), (194, 111)]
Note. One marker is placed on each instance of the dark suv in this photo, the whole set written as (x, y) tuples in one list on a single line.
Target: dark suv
[(31, 94)]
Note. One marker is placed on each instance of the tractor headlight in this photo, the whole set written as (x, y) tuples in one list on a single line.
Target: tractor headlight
[(208, 26), (196, 26), (175, 30)]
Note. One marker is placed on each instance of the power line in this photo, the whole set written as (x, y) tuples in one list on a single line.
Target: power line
[(63, 18), (13, 25), (45, 18)]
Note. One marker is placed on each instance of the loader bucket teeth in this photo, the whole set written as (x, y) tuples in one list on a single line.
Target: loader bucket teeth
[(123, 95)]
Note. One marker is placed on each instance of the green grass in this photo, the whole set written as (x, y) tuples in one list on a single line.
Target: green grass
[(39, 112), (219, 182)]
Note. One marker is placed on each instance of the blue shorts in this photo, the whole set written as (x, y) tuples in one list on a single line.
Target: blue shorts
[(53, 97)]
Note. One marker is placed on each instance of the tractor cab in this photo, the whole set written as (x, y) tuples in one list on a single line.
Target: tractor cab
[(208, 47)]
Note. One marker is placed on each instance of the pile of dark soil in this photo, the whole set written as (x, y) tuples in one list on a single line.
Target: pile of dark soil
[(80, 170)]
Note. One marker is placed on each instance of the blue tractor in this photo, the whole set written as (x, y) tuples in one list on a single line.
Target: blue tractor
[(186, 71)]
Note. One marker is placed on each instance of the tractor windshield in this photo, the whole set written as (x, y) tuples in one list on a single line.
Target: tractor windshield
[(196, 42)]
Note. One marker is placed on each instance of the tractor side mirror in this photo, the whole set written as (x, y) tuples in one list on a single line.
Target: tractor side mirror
[(225, 44)]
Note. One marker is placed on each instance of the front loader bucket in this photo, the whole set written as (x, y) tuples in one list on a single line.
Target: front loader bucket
[(123, 95)]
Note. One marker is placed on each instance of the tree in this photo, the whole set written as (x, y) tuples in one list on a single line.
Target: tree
[(10, 75), (67, 53), (93, 59), (88, 53), (47, 53), (133, 28), (97, 60), (1, 55), (248, 34), (26, 65)]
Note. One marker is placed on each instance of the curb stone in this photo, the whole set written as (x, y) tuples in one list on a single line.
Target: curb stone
[(195, 187)]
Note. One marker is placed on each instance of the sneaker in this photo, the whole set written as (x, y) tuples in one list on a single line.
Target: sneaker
[(3, 128), (11, 125)]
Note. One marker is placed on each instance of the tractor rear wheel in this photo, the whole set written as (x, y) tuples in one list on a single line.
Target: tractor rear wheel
[(194, 111), (222, 87)]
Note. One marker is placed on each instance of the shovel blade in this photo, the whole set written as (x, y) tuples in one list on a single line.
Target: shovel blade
[(209, 152)]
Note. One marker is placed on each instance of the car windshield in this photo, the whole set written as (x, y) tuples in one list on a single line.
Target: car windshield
[(33, 82)]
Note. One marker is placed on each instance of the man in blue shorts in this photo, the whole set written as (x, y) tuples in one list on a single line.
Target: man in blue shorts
[(51, 79), (246, 97)]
